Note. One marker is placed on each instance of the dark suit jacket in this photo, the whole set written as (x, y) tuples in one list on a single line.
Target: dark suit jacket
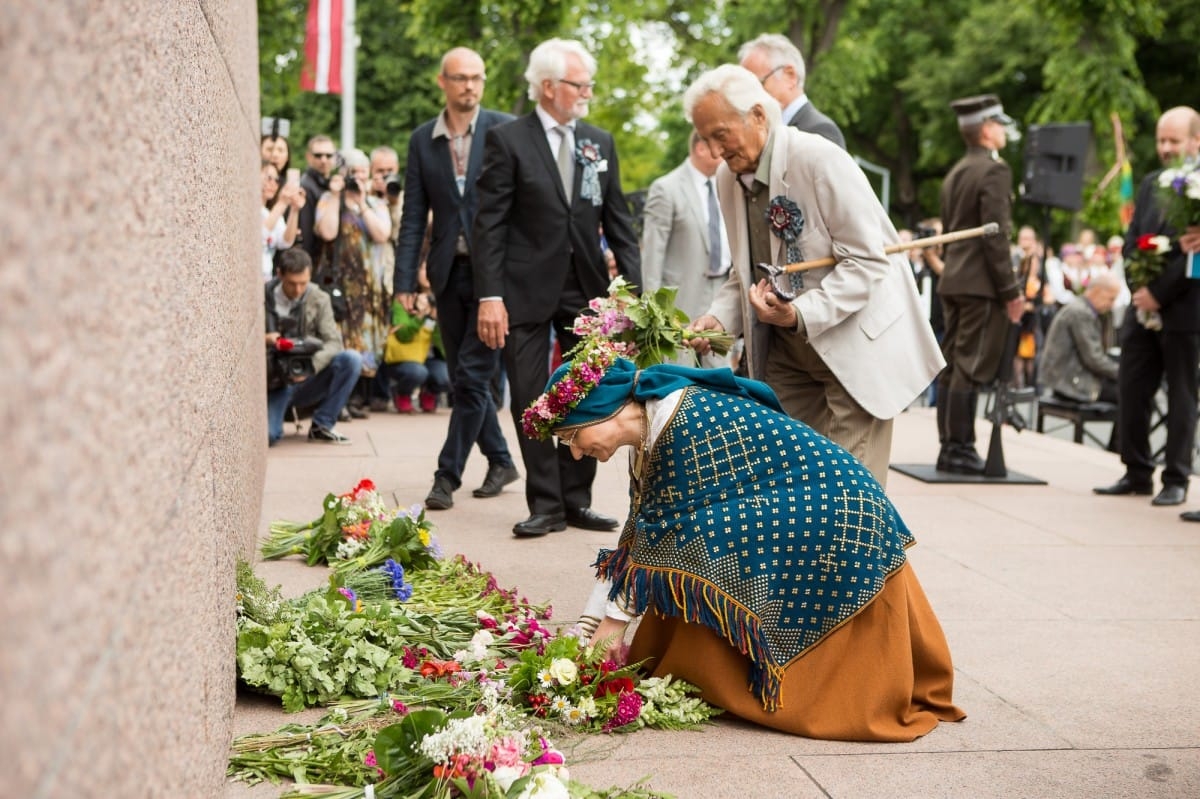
[(1178, 294), (527, 235), (978, 190), (429, 185), (810, 120)]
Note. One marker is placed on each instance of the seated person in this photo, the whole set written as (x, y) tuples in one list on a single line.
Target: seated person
[(295, 311), (1074, 364), (412, 358), (767, 564)]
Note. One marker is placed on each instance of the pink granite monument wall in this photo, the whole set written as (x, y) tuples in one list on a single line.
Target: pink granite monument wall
[(132, 401)]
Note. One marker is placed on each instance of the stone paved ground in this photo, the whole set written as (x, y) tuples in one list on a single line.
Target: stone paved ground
[(1074, 621)]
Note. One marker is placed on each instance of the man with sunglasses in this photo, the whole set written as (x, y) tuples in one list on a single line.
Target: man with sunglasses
[(779, 66), (321, 155), (550, 183)]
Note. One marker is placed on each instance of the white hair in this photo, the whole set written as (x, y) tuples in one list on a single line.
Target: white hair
[(548, 61), (354, 158), (740, 89), (780, 53)]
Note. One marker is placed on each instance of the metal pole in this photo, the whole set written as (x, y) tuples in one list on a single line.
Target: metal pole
[(349, 61)]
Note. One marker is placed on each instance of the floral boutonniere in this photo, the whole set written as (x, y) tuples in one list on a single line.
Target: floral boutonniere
[(588, 155)]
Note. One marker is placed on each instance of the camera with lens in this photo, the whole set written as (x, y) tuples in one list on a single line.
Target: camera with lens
[(924, 232), (392, 185), (291, 361), (352, 185)]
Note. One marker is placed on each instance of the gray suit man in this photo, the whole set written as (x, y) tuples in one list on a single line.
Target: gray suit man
[(779, 66), (684, 244), (1074, 364)]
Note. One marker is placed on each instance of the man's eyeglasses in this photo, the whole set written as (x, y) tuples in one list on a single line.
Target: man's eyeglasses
[(764, 78), (323, 155), (480, 79), (590, 85)]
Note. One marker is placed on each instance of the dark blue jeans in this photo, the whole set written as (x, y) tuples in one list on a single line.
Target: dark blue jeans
[(405, 377), (329, 390)]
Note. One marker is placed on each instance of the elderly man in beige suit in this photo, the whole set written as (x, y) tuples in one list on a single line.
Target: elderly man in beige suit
[(853, 349)]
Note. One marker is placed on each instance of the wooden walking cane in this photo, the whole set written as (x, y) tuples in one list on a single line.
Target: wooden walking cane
[(783, 287)]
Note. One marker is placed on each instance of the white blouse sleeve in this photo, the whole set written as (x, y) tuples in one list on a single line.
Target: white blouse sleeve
[(598, 604)]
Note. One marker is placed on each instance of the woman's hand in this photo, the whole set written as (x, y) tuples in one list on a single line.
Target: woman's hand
[(702, 345), (610, 634)]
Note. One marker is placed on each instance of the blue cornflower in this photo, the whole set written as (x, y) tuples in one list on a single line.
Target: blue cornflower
[(403, 590)]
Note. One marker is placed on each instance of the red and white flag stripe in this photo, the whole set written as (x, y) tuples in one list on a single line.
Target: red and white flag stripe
[(322, 72)]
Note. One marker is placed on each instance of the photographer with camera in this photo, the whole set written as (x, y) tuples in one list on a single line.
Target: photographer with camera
[(306, 364), (385, 188), (348, 220)]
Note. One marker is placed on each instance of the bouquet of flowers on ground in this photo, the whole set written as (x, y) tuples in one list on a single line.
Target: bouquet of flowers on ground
[(356, 532), (488, 750), (1179, 195), (576, 685), (650, 326), (378, 631), (1143, 266)]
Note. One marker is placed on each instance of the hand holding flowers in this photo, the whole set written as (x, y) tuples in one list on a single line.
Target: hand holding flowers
[(1143, 266), (650, 326)]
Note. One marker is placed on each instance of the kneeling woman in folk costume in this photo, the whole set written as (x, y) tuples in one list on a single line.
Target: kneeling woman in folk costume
[(767, 565)]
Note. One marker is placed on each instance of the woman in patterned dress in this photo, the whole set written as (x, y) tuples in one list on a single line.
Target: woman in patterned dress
[(766, 564)]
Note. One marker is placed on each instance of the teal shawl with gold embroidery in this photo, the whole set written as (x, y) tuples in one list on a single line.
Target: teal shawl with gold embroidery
[(751, 523)]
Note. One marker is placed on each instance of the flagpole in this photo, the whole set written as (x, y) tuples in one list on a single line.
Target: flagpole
[(349, 52)]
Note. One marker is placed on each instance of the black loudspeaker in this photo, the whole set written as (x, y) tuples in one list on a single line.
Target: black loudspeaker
[(1054, 159)]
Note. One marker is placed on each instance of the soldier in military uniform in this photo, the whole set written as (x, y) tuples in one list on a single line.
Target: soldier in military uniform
[(979, 290)]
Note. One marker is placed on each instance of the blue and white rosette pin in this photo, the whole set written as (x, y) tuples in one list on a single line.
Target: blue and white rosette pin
[(587, 155), (787, 222)]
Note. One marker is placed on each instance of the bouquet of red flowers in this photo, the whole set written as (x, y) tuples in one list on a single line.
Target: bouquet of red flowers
[(1143, 265)]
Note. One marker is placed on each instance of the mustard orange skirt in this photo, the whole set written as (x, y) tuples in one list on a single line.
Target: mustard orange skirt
[(884, 675)]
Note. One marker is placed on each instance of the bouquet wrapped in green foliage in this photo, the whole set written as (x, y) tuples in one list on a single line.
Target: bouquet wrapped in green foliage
[(652, 329), (355, 532)]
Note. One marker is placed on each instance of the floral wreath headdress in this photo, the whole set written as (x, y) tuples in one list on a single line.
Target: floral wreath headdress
[(589, 361)]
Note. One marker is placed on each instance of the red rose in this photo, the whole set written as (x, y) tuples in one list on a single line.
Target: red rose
[(1146, 242), (619, 685)]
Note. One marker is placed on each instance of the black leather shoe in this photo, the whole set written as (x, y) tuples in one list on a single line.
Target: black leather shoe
[(1190, 515), (1125, 486), (1170, 495), (961, 460), (588, 519), (441, 496), (540, 524), (497, 478)]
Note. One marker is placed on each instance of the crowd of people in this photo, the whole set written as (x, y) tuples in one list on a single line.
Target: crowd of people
[(465, 275)]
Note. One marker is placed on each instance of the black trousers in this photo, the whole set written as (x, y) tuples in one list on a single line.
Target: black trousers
[(1147, 356), (472, 365), (554, 481)]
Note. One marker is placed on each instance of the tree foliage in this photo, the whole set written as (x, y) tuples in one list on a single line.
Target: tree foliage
[(884, 69)]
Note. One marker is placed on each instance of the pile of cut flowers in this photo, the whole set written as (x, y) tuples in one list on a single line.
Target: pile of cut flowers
[(439, 683)]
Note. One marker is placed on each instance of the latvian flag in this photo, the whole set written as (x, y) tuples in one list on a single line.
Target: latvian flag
[(322, 72)]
